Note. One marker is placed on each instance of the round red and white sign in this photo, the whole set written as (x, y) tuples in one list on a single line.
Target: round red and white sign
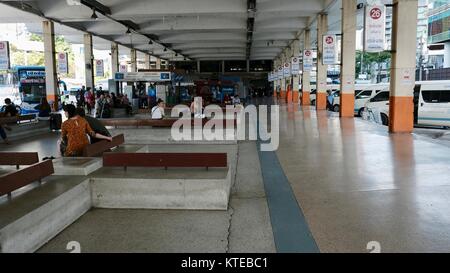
[(62, 56), (99, 62), (329, 40), (307, 53), (295, 60), (286, 65), (375, 13)]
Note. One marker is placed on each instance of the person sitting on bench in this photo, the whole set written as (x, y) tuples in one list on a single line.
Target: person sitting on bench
[(158, 110), (74, 131), (95, 124), (9, 109)]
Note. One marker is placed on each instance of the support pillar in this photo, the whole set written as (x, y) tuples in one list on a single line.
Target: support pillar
[(133, 58), (89, 61), (158, 64), (275, 82), (114, 59), (404, 30), (348, 49), (321, 82), (51, 78), (283, 80), (296, 77), (146, 61), (306, 83)]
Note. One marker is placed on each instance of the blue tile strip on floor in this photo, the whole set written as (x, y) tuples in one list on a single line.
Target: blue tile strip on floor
[(290, 229)]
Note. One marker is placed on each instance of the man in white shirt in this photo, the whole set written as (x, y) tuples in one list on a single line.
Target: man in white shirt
[(158, 110)]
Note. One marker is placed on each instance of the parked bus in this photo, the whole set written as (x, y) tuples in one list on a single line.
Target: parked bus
[(25, 86)]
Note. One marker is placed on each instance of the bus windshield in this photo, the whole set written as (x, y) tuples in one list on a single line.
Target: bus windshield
[(32, 92), (31, 84)]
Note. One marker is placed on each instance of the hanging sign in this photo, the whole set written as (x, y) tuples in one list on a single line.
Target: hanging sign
[(99, 68), (280, 72), (4, 56), (307, 60), (122, 68), (287, 70), (295, 66), (63, 65), (374, 28), (329, 50)]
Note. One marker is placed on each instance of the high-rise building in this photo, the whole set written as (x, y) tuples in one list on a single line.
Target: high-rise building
[(439, 29)]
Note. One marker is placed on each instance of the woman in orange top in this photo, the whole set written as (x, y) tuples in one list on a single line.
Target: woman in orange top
[(74, 132)]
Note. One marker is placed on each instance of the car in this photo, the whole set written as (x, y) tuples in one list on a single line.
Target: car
[(364, 92)]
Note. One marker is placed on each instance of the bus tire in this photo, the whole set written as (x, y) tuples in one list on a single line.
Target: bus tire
[(336, 108), (313, 102)]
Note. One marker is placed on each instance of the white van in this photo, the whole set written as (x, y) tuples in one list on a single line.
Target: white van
[(363, 92), (431, 105), (377, 108)]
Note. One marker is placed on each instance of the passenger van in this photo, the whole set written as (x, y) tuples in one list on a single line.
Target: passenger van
[(363, 92), (431, 104)]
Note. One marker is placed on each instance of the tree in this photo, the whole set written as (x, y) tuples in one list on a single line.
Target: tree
[(369, 58)]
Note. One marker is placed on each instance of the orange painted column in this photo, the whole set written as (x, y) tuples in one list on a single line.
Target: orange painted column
[(347, 108), (404, 28), (321, 100), (305, 98), (348, 47), (289, 94), (306, 84)]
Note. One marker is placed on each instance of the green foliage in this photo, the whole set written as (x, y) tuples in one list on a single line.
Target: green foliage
[(369, 58), (19, 57)]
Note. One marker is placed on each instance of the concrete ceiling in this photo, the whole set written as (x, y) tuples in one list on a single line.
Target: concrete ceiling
[(196, 29)]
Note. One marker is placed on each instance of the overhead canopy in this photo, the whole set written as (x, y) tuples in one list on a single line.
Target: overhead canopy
[(196, 29)]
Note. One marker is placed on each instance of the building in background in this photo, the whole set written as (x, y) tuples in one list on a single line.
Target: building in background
[(439, 33)]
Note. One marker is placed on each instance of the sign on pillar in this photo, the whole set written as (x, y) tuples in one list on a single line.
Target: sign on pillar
[(62, 63), (374, 28), (4, 56), (329, 50), (307, 60), (99, 68)]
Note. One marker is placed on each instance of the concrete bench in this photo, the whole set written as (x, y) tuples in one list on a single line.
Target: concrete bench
[(98, 148), (33, 217)]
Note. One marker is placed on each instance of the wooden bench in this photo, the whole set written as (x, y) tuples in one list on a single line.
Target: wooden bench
[(17, 119), (188, 160), (17, 159), (98, 148), (12, 181)]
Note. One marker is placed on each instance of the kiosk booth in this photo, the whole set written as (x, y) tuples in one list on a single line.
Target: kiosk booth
[(144, 88)]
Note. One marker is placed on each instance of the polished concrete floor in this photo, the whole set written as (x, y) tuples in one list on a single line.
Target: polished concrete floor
[(353, 182), (356, 183)]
